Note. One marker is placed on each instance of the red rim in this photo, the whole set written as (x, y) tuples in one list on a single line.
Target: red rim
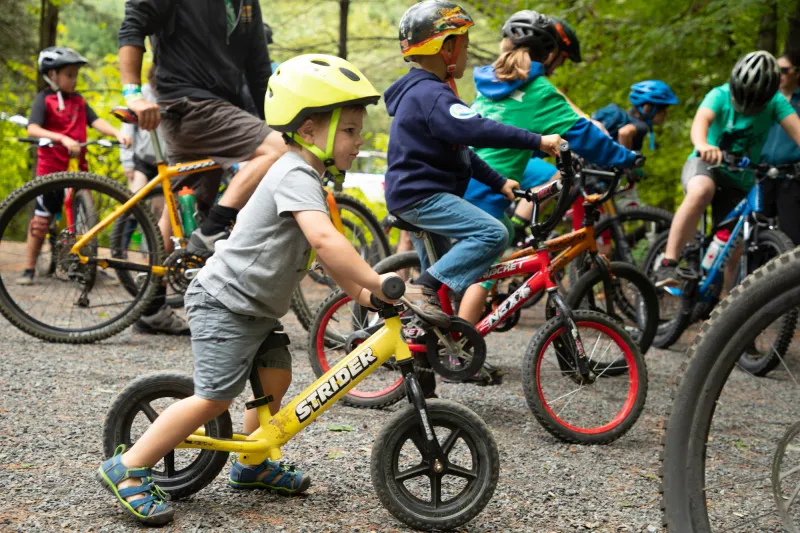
[(323, 362), (633, 386)]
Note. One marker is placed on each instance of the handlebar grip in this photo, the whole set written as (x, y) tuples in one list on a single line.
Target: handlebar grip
[(29, 140), (639, 161), (393, 287)]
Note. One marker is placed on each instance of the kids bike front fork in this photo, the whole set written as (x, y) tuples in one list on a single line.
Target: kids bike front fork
[(569, 346), (432, 451)]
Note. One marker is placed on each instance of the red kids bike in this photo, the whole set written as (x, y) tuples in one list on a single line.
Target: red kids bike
[(584, 377)]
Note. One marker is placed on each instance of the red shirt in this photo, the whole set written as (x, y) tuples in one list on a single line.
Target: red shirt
[(72, 122)]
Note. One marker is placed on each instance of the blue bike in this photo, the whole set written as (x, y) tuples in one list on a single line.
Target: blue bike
[(681, 307)]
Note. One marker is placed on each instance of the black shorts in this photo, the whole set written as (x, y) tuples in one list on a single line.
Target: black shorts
[(146, 168), (782, 198)]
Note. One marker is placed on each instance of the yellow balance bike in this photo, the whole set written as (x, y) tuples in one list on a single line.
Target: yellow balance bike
[(449, 483)]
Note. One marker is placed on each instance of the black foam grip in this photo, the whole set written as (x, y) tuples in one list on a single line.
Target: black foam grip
[(393, 287)]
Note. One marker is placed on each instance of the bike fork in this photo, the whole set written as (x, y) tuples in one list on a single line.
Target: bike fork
[(572, 336), (433, 451)]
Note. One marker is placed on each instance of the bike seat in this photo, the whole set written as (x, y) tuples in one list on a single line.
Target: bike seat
[(397, 222)]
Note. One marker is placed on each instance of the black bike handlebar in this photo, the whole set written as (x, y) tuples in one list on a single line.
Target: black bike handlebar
[(564, 186), (105, 143), (738, 163)]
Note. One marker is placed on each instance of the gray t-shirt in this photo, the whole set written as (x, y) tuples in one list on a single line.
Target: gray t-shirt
[(255, 271)]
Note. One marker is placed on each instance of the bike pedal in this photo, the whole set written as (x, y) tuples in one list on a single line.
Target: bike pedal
[(688, 274)]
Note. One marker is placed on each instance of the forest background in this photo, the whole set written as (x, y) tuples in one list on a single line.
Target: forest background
[(690, 44)]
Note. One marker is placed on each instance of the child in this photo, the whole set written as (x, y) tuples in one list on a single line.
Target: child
[(514, 90), (429, 162), (60, 114), (650, 101), (318, 102), (735, 117)]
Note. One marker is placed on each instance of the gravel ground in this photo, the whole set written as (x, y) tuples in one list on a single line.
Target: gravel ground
[(54, 399)]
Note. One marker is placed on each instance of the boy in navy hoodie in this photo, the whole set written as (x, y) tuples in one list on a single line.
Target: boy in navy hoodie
[(430, 163)]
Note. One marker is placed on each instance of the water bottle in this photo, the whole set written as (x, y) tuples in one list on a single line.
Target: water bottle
[(188, 203), (717, 245)]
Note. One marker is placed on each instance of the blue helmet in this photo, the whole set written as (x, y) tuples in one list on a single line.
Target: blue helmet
[(654, 92)]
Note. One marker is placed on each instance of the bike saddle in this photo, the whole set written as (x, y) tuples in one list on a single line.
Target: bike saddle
[(396, 222)]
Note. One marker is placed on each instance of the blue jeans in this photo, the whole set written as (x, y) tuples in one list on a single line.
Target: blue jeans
[(481, 238)]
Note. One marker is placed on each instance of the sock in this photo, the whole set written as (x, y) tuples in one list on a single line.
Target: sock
[(426, 280), (220, 218), (159, 300), (669, 263)]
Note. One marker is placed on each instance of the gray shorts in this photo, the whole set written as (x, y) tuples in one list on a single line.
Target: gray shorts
[(213, 129), (226, 345), (726, 197)]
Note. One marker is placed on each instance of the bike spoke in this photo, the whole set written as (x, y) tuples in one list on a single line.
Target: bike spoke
[(450, 441), (420, 470), (436, 490), (461, 472), (169, 464), (149, 412)]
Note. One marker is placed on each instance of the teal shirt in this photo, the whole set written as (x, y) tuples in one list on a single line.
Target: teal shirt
[(741, 134), (780, 148)]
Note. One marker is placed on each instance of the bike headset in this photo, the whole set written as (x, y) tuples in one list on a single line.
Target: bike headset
[(754, 81), (424, 28), (55, 58), (658, 95), (310, 84)]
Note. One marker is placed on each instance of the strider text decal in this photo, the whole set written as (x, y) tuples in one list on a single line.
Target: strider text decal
[(314, 401)]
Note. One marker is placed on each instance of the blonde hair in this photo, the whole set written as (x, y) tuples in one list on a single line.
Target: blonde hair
[(513, 64)]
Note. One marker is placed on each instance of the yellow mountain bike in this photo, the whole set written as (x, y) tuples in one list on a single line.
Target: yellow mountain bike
[(434, 465), (105, 282)]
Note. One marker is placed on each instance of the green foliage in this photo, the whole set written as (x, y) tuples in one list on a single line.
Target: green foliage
[(691, 45)]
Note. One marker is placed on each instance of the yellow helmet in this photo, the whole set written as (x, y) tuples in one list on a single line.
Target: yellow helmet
[(313, 83)]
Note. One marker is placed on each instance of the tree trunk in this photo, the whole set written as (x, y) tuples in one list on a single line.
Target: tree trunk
[(344, 8), (48, 27), (768, 28), (792, 45)]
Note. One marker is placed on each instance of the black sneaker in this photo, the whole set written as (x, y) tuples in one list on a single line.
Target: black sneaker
[(26, 278), (667, 274), (202, 245)]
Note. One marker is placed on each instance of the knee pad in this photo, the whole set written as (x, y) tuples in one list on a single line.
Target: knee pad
[(39, 226)]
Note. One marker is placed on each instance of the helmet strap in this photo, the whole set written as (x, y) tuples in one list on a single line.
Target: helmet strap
[(327, 156), (648, 117), (450, 62), (53, 86)]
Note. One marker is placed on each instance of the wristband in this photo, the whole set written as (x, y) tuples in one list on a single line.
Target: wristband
[(519, 221), (132, 92)]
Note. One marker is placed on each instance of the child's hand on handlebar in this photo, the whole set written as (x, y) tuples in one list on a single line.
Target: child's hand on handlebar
[(710, 154), (364, 296), (550, 144), (72, 146), (508, 189), (123, 139)]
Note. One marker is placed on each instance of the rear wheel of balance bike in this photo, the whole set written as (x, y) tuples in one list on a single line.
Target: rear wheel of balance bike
[(425, 494), (183, 471)]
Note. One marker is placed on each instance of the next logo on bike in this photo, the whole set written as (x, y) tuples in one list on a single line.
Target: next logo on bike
[(327, 390)]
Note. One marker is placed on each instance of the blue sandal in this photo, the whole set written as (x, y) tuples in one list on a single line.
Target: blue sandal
[(152, 509), (284, 479)]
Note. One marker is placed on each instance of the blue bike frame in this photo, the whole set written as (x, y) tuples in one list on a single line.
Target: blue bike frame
[(753, 203)]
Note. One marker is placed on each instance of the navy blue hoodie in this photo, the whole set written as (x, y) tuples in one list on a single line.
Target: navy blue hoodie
[(429, 139)]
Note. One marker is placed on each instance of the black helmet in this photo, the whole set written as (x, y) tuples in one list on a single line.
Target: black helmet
[(754, 81), (55, 57), (532, 30), (567, 39), (425, 26)]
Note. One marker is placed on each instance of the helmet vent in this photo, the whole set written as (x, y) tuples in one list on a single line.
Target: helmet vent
[(349, 74), (320, 62)]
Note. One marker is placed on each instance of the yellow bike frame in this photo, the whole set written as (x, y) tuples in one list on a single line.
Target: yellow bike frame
[(275, 431)]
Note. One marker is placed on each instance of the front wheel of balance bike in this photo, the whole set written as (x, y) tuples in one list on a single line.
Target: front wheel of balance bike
[(594, 410), (183, 471), (423, 493)]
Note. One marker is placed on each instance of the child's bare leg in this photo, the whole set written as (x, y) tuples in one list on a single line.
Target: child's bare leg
[(36, 233), (275, 382), (177, 422), (699, 193), (473, 303)]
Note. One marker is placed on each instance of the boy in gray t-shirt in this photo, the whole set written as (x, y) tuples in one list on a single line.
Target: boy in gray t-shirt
[(235, 303)]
